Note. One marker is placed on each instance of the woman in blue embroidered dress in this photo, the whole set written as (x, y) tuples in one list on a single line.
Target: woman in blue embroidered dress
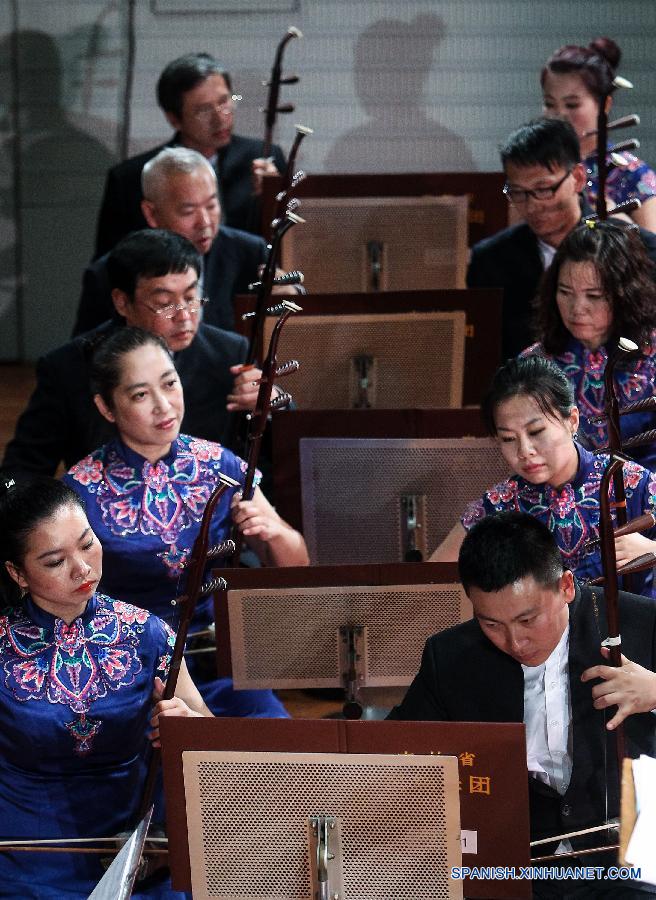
[(145, 493), (79, 672), (599, 288), (530, 410), (574, 81)]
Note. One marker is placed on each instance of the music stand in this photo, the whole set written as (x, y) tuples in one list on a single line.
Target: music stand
[(492, 771), (482, 309), (488, 211), (361, 628), (380, 243), (379, 485)]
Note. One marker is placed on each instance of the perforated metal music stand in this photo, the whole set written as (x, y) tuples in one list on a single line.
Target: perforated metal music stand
[(380, 243), (482, 311), (361, 628), (374, 489), (493, 800)]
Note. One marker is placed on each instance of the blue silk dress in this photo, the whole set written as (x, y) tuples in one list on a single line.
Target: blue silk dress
[(572, 512), (147, 518), (636, 181), (75, 704), (585, 369)]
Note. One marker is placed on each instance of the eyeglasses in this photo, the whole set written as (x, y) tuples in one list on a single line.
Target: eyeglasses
[(172, 309), (224, 107), (519, 196)]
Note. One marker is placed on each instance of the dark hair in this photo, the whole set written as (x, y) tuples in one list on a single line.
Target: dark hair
[(530, 376), (501, 549), (625, 275), (150, 253), (105, 371), (23, 506), (551, 143), (595, 64), (182, 75)]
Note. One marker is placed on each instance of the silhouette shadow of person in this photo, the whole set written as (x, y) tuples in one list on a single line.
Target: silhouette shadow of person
[(392, 61), (54, 176)]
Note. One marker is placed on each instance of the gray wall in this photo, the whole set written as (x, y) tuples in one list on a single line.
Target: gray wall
[(387, 86)]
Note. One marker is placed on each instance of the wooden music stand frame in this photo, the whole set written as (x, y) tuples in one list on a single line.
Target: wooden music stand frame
[(488, 210), (492, 768), (482, 308)]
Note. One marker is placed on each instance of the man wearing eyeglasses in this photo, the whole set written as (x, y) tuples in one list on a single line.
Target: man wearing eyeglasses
[(195, 94), (154, 276), (180, 194), (544, 180)]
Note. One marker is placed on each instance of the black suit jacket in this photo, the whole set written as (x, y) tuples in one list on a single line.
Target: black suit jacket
[(464, 678), (230, 265), (511, 260), (61, 422), (120, 210)]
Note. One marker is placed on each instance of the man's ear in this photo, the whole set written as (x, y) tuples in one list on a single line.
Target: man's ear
[(173, 121), (103, 409), (121, 302), (567, 585), (16, 575), (579, 176), (149, 211)]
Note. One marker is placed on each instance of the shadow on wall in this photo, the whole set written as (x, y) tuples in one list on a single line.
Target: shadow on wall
[(56, 177), (392, 62)]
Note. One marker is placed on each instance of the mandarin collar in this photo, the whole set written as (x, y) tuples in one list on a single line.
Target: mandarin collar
[(47, 620)]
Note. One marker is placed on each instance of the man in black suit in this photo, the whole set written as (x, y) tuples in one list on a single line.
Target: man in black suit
[(181, 195), (527, 656), (544, 180), (195, 94), (154, 276)]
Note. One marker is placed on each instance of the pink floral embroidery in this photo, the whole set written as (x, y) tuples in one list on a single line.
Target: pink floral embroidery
[(87, 471)]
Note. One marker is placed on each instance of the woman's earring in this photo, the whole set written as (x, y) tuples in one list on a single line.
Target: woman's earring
[(575, 435)]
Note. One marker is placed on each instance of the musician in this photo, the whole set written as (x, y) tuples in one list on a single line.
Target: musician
[(528, 655), (195, 94), (76, 695), (530, 411), (181, 195), (543, 157), (575, 81), (599, 288), (154, 276), (145, 492)]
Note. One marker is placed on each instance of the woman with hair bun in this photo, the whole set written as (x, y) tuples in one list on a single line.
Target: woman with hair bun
[(574, 82)]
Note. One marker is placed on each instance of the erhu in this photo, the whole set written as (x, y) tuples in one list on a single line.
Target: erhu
[(611, 572), (119, 884), (608, 157), (257, 420), (274, 83)]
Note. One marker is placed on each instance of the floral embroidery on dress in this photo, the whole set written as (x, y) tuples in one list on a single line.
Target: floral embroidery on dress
[(585, 369), (87, 471), (571, 513), (160, 499), (74, 664)]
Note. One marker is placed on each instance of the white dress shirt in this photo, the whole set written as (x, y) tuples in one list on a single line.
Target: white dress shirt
[(548, 718), (547, 253)]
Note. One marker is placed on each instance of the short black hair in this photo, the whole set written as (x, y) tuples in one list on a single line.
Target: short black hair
[(551, 143), (150, 253), (105, 372), (182, 75), (529, 376), (502, 549)]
